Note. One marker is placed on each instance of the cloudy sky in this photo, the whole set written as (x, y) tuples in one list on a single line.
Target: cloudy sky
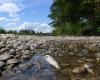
[(25, 14)]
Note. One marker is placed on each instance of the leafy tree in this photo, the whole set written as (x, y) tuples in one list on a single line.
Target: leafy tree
[(83, 15)]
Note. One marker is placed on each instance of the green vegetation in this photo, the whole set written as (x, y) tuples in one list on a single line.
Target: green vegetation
[(75, 17), (11, 32), (2, 30), (23, 32), (26, 32)]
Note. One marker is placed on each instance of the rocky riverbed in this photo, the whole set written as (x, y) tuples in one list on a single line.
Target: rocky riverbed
[(78, 57)]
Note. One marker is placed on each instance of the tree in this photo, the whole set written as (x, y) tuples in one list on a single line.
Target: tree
[(76, 12), (63, 11), (12, 32), (2, 31), (26, 32)]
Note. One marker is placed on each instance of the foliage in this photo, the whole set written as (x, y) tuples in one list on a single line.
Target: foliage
[(2, 31), (69, 29), (82, 17), (11, 32), (26, 32)]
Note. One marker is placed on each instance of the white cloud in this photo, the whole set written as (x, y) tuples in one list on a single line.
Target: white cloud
[(17, 19), (37, 27), (10, 20), (11, 8), (11, 24), (2, 18)]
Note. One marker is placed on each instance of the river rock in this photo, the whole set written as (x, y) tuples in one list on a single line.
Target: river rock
[(2, 45), (12, 52), (64, 65), (97, 54), (24, 47), (4, 57), (79, 70), (28, 56), (26, 52), (12, 61), (2, 64), (9, 46)]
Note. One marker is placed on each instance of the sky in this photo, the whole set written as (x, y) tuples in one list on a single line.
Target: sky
[(25, 14)]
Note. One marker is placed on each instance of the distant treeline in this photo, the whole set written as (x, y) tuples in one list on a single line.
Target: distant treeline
[(23, 32)]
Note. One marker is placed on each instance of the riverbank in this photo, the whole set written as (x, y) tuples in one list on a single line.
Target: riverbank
[(72, 53)]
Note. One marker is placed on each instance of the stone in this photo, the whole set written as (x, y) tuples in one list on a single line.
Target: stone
[(25, 66), (97, 54), (89, 60), (64, 72), (10, 66), (16, 44), (12, 61), (2, 45), (71, 53), (84, 52), (9, 46), (4, 57), (80, 61), (12, 52), (26, 56), (2, 64), (27, 52), (79, 70), (24, 47), (64, 65)]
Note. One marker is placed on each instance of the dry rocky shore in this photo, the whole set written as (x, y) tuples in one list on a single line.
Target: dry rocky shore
[(78, 57)]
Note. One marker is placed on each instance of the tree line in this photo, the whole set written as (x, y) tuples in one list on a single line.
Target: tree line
[(23, 32), (75, 17)]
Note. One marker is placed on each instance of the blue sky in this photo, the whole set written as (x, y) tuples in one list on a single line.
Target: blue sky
[(25, 14)]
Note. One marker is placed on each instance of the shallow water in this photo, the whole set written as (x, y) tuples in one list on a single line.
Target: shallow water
[(32, 71), (47, 72), (68, 63)]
